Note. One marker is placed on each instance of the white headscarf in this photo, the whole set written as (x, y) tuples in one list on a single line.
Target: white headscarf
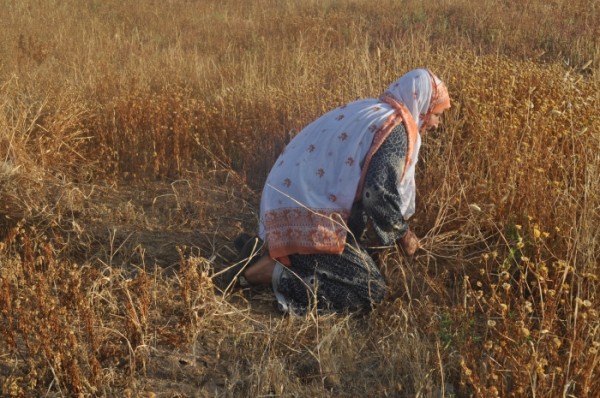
[(415, 91)]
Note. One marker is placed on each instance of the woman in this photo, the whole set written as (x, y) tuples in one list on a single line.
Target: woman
[(350, 169)]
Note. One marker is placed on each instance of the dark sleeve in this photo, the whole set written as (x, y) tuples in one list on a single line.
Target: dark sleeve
[(380, 197)]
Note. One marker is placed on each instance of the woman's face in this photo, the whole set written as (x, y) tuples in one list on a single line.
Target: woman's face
[(432, 121)]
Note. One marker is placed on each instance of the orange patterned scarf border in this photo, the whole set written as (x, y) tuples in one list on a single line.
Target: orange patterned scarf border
[(297, 230)]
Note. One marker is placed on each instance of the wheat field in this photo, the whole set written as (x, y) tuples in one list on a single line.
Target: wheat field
[(134, 141)]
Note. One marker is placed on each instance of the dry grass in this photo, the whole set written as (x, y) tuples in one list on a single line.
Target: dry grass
[(134, 141)]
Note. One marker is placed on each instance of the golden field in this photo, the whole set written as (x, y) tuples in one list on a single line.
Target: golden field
[(134, 141)]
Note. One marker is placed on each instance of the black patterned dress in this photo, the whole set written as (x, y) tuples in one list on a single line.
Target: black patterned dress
[(351, 281)]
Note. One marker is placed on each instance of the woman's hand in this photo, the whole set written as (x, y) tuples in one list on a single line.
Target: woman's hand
[(409, 243)]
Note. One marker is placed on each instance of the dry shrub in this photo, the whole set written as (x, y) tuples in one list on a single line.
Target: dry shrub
[(92, 329), (41, 140), (172, 133), (47, 321), (510, 201), (510, 143), (534, 329)]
